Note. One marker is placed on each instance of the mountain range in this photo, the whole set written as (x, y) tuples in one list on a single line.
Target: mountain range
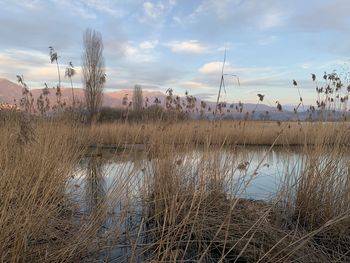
[(11, 93)]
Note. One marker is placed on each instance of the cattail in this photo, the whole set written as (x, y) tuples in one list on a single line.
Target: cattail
[(243, 166), (54, 57), (279, 106), (313, 76), (261, 97)]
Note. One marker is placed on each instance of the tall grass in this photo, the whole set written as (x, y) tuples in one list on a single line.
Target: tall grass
[(36, 218), (217, 133), (170, 208)]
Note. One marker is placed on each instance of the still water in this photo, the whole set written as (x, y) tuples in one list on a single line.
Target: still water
[(117, 182), (265, 169)]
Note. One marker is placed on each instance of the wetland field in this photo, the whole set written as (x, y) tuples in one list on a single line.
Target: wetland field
[(166, 191), (174, 131)]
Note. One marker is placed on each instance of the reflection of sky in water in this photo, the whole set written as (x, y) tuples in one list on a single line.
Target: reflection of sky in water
[(120, 182), (125, 176), (114, 179), (274, 165)]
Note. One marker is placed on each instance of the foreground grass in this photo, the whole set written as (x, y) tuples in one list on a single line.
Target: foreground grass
[(189, 211)]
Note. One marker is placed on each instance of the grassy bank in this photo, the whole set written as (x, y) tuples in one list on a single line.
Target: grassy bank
[(202, 132), (218, 133), (184, 211)]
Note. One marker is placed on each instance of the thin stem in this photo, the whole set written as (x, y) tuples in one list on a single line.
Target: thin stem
[(256, 106), (300, 98), (71, 83), (59, 75)]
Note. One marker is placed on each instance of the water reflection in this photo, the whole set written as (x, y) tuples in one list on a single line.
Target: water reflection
[(264, 171), (119, 183), (95, 181)]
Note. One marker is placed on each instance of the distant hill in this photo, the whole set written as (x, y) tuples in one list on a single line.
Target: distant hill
[(10, 91)]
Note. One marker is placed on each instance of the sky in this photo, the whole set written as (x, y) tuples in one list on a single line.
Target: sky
[(180, 44)]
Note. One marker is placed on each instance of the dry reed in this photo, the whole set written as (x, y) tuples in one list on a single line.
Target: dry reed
[(185, 209)]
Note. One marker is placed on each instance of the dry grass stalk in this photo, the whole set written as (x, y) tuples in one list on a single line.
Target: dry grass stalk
[(180, 208)]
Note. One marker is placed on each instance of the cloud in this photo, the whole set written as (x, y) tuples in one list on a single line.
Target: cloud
[(219, 9), (77, 9), (271, 20), (37, 28), (146, 41), (148, 44), (158, 74), (106, 6), (211, 67), (252, 79), (142, 53), (216, 17), (193, 85), (151, 10), (333, 64), (34, 66), (17, 59), (336, 18), (89, 9), (190, 46), (155, 11), (43, 74), (131, 51), (29, 4)]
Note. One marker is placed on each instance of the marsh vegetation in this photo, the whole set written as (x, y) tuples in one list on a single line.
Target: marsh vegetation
[(184, 192)]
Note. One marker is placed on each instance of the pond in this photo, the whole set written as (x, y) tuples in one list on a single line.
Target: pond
[(118, 182), (266, 166)]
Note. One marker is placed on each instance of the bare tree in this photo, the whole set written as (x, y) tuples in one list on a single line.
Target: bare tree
[(93, 67), (137, 99)]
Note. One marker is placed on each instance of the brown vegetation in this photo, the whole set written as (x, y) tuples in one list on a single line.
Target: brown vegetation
[(189, 211), (217, 133)]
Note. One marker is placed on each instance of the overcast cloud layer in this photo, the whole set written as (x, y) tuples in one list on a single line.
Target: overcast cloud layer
[(180, 44)]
